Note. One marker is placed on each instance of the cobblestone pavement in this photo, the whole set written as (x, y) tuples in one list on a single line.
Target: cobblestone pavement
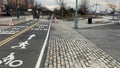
[(68, 49)]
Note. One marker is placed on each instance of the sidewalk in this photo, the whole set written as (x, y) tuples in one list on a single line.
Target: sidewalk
[(84, 23), (68, 49)]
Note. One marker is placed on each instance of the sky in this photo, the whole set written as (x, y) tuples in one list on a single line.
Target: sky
[(51, 4)]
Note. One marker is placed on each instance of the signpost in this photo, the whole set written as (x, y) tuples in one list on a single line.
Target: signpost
[(17, 7), (76, 16)]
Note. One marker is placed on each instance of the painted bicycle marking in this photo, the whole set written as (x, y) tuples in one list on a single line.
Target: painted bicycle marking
[(22, 45), (10, 60)]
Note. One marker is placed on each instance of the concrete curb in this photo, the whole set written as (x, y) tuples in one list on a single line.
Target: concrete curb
[(13, 21)]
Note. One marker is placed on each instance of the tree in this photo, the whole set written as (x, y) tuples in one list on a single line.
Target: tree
[(62, 5), (113, 8), (84, 7), (57, 12), (70, 12), (36, 8)]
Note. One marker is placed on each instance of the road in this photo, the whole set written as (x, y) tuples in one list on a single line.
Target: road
[(106, 37), (22, 47)]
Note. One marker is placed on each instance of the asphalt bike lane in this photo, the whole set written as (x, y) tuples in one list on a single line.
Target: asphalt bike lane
[(24, 50), (14, 29)]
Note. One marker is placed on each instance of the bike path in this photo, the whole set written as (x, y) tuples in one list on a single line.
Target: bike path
[(29, 54), (14, 29)]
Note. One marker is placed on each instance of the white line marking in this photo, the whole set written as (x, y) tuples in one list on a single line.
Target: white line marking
[(43, 49), (8, 32)]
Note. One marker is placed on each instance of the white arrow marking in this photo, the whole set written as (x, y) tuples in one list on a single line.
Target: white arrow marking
[(31, 36)]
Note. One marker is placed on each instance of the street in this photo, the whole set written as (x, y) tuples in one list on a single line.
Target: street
[(59, 34), (106, 37), (22, 49)]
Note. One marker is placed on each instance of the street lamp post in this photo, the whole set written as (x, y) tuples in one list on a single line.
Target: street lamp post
[(76, 16), (62, 6), (17, 6)]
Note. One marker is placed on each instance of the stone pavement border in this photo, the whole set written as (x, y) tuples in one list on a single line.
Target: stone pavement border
[(68, 49)]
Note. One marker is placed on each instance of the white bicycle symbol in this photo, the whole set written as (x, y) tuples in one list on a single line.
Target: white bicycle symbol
[(22, 45), (9, 60)]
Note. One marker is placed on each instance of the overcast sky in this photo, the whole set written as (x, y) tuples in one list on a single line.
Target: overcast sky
[(51, 4)]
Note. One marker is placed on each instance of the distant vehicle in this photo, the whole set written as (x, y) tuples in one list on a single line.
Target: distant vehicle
[(9, 6)]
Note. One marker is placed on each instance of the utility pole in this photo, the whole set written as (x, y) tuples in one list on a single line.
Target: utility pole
[(17, 9), (62, 9), (76, 16)]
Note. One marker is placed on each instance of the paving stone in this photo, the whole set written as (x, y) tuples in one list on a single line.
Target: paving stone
[(68, 49)]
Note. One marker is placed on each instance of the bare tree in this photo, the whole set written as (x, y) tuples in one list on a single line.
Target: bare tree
[(36, 8), (62, 5), (113, 8), (84, 7)]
